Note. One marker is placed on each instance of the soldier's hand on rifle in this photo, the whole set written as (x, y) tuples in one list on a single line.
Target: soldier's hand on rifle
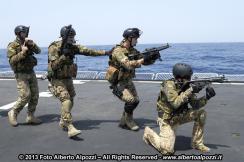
[(155, 55), (141, 61), (29, 42), (147, 58), (24, 49), (210, 92), (196, 87)]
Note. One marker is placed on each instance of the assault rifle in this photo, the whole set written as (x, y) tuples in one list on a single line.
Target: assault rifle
[(203, 82), (152, 53), (64, 44)]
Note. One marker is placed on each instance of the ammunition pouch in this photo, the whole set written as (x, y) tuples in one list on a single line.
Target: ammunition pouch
[(65, 72), (25, 66), (112, 75), (73, 70)]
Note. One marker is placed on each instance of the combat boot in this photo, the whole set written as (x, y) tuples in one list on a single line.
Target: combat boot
[(201, 147), (12, 117), (122, 121), (72, 131), (130, 123), (31, 119)]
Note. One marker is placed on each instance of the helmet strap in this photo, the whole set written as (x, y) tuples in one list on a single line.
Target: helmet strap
[(20, 38), (130, 40)]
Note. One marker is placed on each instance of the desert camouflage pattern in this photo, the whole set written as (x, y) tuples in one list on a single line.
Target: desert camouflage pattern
[(28, 92), (65, 92), (120, 59), (128, 90), (22, 65), (126, 69), (169, 119), (62, 68), (19, 61)]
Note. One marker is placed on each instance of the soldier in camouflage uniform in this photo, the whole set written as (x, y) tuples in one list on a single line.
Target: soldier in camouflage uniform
[(172, 106), (125, 67), (61, 70), (21, 59)]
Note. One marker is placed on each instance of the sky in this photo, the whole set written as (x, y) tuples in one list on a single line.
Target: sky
[(102, 22)]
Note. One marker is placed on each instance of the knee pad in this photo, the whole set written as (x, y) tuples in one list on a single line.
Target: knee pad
[(130, 107)]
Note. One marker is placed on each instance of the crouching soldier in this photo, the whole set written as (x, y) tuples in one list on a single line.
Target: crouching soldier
[(173, 110)]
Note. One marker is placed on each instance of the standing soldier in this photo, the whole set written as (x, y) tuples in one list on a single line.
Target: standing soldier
[(172, 106), (121, 71), (22, 62), (61, 70)]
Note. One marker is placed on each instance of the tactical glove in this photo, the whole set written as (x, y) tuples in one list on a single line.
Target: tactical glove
[(147, 58), (210, 92), (197, 87), (24, 50), (155, 55)]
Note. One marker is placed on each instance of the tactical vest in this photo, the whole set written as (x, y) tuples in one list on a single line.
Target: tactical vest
[(116, 72), (67, 70), (164, 108), (27, 64)]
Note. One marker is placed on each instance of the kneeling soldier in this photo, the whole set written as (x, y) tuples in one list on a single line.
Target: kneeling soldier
[(173, 110)]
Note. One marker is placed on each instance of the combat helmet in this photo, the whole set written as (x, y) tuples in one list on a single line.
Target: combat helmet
[(182, 70), (66, 29), (21, 28), (132, 33)]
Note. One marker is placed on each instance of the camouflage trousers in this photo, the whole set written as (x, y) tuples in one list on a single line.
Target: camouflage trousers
[(164, 142), (28, 91), (129, 95), (65, 92), (129, 91)]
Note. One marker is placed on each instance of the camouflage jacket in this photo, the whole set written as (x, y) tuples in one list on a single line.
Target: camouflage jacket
[(20, 61), (121, 61), (61, 66), (170, 102)]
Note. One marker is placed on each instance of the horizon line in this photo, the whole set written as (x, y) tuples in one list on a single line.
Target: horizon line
[(157, 43)]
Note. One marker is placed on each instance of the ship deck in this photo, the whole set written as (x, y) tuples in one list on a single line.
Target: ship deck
[(97, 112)]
